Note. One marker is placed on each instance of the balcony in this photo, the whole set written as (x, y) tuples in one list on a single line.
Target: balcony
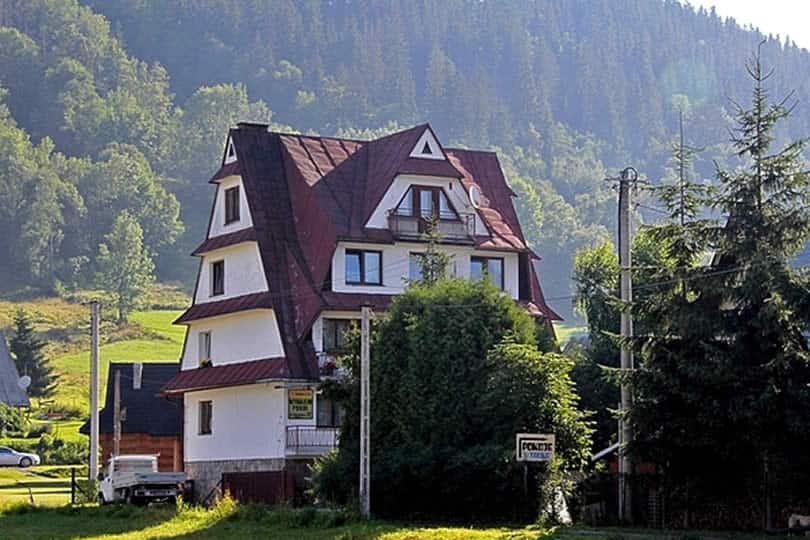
[(405, 227), (311, 441)]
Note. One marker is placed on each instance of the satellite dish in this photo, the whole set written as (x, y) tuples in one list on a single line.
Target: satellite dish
[(475, 196), (24, 382)]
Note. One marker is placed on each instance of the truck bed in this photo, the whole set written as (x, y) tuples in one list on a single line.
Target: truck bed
[(124, 479)]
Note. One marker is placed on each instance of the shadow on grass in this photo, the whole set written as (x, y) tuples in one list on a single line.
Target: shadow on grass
[(29, 522)]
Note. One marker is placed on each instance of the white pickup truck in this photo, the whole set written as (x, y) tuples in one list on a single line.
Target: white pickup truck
[(135, 479)]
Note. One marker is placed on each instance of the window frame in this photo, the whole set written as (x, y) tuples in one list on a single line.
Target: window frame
[(416, 203), (362, 256), (232, 208), (485, 269), (335, 333), (412, 256), (207, 361), (214, 290), (205, 428)]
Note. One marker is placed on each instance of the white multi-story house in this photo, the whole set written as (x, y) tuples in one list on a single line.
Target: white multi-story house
[(303, 232)]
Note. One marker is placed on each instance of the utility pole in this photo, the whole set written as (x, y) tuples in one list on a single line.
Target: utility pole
[(94, 322), (627, 179), (117, 414), (365, 410)]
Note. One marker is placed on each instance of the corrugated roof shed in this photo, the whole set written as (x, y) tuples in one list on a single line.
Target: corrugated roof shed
[(10, 391)]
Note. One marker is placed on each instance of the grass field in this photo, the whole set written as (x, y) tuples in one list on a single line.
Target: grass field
[(225, 521), (63, 324), (21, 485), (164, 343)]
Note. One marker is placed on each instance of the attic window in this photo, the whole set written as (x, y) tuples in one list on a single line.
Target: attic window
[(427, 147), (230, 153)]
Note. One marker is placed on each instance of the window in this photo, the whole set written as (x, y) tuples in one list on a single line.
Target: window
[(205, 349), (206, 410), (426, 202), (231, 205), (334, 334), (489, 266), (330, 413), (363, 267), (415, 263), (217, 278)]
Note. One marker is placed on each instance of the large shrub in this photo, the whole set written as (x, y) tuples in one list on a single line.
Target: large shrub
[(455, 374)]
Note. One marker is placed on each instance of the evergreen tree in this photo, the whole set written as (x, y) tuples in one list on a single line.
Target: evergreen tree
[(724, 378), (27, 351), (125, 266)]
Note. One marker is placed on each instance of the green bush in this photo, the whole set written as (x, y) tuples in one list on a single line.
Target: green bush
[(12, 421), (55, 451), (38, 430)]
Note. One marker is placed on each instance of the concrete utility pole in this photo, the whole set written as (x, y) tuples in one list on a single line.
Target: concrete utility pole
[(94, 321), (627, 179), (117, 414), (365, 410)]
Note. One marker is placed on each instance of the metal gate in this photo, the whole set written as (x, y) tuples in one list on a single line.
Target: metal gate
[(268, 487)]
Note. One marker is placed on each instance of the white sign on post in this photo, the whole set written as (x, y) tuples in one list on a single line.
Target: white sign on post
[(535, 446)]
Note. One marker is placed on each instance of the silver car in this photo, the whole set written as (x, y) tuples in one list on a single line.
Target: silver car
[(17, 459)]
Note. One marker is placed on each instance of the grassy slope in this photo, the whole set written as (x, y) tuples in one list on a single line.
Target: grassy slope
[(164, 345), (63, 325)]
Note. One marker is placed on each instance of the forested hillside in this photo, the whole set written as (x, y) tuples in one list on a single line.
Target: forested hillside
[(122, 104)]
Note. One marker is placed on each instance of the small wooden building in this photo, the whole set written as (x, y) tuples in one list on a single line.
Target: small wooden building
[(151, 423)]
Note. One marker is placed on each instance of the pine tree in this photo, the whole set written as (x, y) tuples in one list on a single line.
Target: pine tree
[(125, 266), (27, 351), (724, 379)]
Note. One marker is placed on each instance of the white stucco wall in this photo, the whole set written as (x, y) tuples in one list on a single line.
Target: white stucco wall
[(217, 226), (236, 337), (455, 191), (396, 260), (247, 422), (244, 273)]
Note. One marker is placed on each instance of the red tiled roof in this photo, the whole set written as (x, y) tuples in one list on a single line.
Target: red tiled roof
[(262, 300), (225, 240), (227, 375), (231, 169)]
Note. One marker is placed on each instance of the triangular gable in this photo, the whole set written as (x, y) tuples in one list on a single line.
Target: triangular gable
[(427, 146), (230, 152)]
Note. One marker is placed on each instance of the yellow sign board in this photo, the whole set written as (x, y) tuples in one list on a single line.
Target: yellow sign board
[(300, 404)]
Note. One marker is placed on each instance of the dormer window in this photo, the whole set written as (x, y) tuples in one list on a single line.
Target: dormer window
[(231, 205), (429, 203)]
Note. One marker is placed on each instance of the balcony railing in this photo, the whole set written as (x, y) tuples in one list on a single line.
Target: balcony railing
[(416, 227), (311, 440)]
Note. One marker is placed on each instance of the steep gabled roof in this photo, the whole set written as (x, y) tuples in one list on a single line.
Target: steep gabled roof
[(306, 193), (10, 391)]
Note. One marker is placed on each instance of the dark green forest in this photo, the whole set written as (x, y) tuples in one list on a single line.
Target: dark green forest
[(113, 105)]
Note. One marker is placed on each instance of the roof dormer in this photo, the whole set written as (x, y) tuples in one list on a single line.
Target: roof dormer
[(427, 147)]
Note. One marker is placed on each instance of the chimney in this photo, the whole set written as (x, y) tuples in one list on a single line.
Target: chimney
[(137, 375)]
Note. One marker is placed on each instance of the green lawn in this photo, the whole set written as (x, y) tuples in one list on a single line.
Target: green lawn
[(132, 523), (20, 485)]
